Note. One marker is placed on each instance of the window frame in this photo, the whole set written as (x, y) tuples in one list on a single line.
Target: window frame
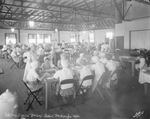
[(15, 34)]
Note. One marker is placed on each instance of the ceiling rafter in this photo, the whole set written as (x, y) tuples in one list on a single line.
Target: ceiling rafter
[(142, 1), (104, 2), (87, 5), (120, 13), (44, 9), (64, 14)]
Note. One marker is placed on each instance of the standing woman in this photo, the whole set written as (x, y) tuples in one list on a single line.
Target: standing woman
[(32, 56)]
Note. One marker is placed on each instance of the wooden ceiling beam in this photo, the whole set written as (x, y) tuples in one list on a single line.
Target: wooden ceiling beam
[(142, 1), (68, 7), (36, 15), (44, 9), (38, 21), (119, 10), (87, 5)]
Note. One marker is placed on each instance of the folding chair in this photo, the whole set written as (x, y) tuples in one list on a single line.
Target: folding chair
[(84, 87), (14, 63), (66, 85), (115, 75), (33, 94), (104, 83)]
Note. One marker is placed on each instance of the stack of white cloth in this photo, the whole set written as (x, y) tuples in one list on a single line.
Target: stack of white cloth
[(8, 105)]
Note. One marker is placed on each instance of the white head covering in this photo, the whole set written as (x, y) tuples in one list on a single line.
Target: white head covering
[(34, 64), (95, 59), (102, 55), (81, 54), (46, 58), (64, 63), (95, 53), (82, 62)]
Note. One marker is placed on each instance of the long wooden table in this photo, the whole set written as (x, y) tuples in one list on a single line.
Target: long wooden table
[(131, 60), (49, 100)]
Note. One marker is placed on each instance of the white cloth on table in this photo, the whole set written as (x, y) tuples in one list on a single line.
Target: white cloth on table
[(8, 105), (144, 77)]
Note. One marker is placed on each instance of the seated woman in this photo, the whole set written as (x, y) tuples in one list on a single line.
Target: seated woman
[(85, 71), (103, 58), (60, 75), (105, 47), (47, 66), (62, 57), (81, 57), (114, 67), (15, 56), (142, 62), (40, 50), (33, 77), (98, 68)]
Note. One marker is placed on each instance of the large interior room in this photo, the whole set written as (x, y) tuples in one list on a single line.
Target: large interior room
[(74, 59)]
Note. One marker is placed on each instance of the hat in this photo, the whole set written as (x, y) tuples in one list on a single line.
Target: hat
[(34, 64), (95, 59), (64, 63)]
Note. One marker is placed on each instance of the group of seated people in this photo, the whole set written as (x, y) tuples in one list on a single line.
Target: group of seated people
[(37, 72), (141, 61), (60, 64)]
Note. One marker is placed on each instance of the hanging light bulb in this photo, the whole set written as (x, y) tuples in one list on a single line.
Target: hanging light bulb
[(12, 29), (31, 23), (56, 30)]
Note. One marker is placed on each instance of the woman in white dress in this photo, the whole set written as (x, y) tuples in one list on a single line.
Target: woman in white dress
[(32, 56)]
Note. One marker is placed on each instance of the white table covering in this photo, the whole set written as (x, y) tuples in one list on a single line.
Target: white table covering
[(144, 77)]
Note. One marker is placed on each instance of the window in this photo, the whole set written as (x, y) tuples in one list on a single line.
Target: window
[(73, 38), (40, 38), (91, 37), (11, 38), (32, 38), (109, 35), (47, 38)]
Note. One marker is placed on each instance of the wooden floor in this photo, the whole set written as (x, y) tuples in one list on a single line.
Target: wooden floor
[(128, 99)]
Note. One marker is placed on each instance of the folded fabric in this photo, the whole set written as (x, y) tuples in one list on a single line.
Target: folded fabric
[(8, 105)]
